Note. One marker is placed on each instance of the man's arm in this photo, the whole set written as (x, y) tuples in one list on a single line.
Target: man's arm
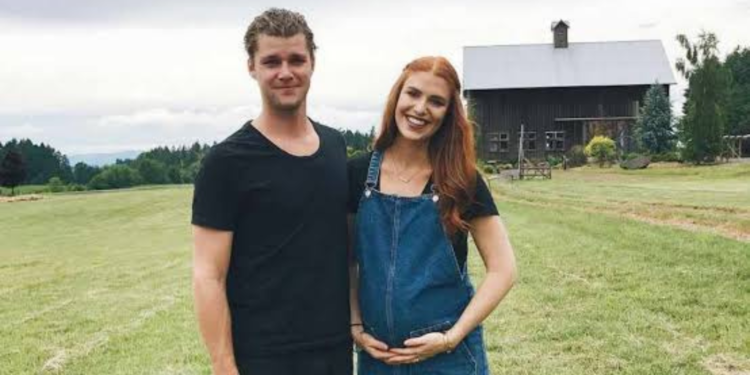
[(212, 250)]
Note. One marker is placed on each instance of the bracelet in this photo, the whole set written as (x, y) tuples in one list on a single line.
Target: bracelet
[(356, 324), (446, 343)]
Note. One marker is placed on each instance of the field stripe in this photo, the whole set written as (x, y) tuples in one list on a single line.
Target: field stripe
[(100, 339), (37, 314)]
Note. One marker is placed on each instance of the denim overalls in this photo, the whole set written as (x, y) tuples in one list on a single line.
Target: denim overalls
[(410, 282)]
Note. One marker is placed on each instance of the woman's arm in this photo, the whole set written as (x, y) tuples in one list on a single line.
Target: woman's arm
[(496, 251)]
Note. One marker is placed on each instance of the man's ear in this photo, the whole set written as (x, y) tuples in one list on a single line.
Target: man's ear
[(251, 68)]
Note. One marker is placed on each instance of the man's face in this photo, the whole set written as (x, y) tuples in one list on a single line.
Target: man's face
[(283, 68)]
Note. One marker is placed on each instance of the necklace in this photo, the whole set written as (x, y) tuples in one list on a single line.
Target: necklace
[(406, 178), (404, 174)]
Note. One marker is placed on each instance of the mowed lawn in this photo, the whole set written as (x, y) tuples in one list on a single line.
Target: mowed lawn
[(643, 272)]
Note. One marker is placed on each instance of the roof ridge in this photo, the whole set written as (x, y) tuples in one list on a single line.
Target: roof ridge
[(572, 43)]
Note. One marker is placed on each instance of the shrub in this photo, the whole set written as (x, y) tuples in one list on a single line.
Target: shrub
[(76, 187), (489, 169), (56, 185), (554, 161), (576, 156), (672, 156), (602, 149), (115, 177)]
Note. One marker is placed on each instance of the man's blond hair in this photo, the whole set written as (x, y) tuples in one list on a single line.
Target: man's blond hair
[(279, 23)]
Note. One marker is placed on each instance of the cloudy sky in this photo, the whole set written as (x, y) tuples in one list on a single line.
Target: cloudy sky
[(103, 75)]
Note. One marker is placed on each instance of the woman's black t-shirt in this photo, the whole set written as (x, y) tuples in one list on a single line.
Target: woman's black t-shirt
[(482, 203)]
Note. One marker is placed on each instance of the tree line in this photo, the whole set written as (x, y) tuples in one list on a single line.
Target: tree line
[(22, 162), (717, 104)]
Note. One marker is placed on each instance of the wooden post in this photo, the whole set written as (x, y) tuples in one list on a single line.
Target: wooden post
[(520, 154)]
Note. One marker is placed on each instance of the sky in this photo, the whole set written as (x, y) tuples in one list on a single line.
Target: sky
[(93, 76)]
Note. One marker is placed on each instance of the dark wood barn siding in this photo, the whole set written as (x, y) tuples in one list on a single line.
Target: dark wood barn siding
[(503, 111)]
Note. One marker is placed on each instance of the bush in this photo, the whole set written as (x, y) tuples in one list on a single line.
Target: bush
[(554, 161), (672, 156), (576, 156), (630, 156), (602, 149), (489, 169), (56, 185), (76, 187), (115, 177)]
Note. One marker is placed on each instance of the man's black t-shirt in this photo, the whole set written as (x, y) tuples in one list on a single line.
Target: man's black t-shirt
[(287, 283), (482, 203)]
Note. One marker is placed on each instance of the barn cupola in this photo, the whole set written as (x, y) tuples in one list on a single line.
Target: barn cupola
[(560, 32)]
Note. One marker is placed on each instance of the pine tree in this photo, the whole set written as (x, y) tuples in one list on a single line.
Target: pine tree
[(704, 120), (653, 130)]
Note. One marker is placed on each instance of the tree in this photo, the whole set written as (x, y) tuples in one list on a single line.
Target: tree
[(738, 108), (42, 161), (152, 171), (83, 173), (704, 118), (653, 129), (12, 170), (115, 177)]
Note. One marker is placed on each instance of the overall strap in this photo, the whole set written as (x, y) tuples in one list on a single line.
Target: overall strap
[(373, 171)]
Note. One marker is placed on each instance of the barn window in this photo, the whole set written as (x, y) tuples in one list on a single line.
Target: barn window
[(529, 141), (555, 141), (497, 142), (504, 142)]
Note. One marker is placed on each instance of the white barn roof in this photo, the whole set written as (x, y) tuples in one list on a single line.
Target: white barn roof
[(581, 64)]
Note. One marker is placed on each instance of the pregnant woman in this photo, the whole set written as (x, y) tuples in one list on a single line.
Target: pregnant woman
[(413, 202)]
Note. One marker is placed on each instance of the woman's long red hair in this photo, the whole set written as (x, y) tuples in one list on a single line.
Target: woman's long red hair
[(451, 148)]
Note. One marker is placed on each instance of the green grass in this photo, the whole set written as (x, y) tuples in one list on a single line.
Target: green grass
[(99, 283), (25, 189)]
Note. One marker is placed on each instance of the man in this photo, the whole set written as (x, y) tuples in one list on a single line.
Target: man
[(269, 224)]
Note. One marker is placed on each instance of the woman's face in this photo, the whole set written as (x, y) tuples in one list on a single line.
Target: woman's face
[(422, 105)]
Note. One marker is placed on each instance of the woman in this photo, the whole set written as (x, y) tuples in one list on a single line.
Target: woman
[(413, 308)]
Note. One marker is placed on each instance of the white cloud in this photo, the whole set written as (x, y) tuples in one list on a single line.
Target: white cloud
[(19, 131), (343, 118), (140, 73), (179, 120)]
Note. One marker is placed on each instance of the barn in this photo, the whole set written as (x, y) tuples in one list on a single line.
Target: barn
[(562, 93)]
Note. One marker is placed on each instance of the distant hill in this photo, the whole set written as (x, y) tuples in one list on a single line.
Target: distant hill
[(102, 159)]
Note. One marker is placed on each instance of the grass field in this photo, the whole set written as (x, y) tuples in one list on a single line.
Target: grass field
[(25, 189), (643, 272)]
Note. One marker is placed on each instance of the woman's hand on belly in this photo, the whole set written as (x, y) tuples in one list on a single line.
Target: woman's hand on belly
[(420, 348), (374, 347)]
